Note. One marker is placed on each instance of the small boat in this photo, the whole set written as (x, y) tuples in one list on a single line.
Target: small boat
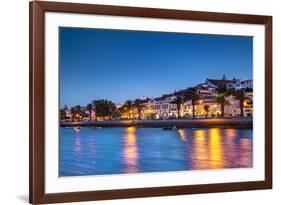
[(77, 129), (96, 127), (174, 128)]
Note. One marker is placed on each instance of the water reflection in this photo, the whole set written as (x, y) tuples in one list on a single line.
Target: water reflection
[(230, 133), (230, 146), (245, 152), (77, 146), (200, 157), (92, 145), (220, 148), (215, 149), (130, 150), (182, 134)]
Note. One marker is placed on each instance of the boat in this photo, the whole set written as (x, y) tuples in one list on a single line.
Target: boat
[(77, 129), (174, 128), (96, 127)]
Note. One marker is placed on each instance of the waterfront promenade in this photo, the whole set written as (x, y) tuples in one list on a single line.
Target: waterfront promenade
[(179, 123)]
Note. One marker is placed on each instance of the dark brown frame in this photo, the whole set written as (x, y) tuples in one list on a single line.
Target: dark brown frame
[(37, 193)]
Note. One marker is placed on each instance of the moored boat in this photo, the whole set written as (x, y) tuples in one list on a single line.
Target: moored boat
[(174, 128), (77, 129)]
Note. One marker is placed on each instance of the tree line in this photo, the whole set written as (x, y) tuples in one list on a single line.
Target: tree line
[(106, 109)]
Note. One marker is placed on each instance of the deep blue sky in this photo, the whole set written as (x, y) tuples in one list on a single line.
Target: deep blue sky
[(120, 65)]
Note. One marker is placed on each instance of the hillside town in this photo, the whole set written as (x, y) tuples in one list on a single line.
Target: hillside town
[(214, 98)]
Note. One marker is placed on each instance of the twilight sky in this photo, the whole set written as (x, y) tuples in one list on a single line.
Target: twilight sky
[(119, 65)]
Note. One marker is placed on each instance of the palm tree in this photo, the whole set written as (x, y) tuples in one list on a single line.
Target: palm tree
[(129, 106), (72, 110), (76, 112), (206, 108), (192, 95), (104, 109), (138, 103), (90, 108), (241, 95), (116, 114), (62, 114), (178, 101), (221, 98)]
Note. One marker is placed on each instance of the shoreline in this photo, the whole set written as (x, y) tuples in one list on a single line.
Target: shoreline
[(242, 123)]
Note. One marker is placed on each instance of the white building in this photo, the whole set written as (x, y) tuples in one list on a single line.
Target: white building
[(206, 89), (164, 107), (239, 84), (160, 108)]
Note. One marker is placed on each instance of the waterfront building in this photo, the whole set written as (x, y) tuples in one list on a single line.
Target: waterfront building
[(205, 107), (208, 107), (239, 84), (160, 108), (206, 90), (232, 108), (164, 107), (129, 113), (248, 104), (68, 114)]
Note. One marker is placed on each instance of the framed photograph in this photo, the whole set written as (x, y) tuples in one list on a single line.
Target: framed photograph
[(138, 102)]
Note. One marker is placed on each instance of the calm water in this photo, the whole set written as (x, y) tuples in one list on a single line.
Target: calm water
[(92, 151)]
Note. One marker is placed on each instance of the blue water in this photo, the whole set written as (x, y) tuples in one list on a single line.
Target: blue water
[(93, 151)]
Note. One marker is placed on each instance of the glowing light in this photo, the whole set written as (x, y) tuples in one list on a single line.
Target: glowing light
[(131, 130)]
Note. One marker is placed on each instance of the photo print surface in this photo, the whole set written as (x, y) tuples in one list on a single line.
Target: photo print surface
[(143, 101)]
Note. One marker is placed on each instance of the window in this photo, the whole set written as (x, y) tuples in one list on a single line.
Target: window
[(164, 106)]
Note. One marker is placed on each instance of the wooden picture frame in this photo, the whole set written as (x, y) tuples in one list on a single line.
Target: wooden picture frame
[(37, 153)]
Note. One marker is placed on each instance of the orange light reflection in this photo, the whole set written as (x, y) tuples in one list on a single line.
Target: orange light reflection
[(182, 134), (200, 156), (245, 157), (215, 147), (130, 150), (231, 153)]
